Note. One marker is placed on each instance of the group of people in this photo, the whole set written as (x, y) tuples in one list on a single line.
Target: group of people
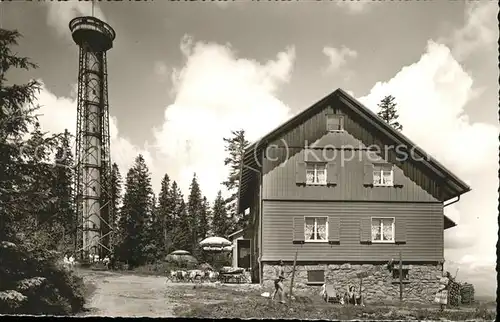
[(69, 261), (350, 297), (94, 258)]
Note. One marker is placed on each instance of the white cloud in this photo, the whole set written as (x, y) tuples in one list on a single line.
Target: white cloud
[(431, 95), (59, 113), (338, 56), (479, 32), (353, 6), (217, 92), (59, 14)]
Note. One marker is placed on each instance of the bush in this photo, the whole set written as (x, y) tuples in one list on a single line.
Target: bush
[(32, 282)]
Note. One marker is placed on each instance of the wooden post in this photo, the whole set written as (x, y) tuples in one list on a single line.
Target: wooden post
[(293, 274), (361, 275), (400, 277), (361, 301)]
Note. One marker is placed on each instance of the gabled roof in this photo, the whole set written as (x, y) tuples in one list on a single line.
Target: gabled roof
[(253, 151)]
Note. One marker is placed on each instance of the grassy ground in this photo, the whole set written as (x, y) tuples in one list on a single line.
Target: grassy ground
[(234, 303), (118, 294)]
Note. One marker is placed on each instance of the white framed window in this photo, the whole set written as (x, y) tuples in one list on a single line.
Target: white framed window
[(334, 123), (316, 173), (383, 230), (316, 229), (383, 175)]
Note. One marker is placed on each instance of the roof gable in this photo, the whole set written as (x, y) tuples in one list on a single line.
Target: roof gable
[(253, 152)]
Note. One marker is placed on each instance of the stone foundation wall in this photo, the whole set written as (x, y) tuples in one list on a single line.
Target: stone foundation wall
[(379, 286)]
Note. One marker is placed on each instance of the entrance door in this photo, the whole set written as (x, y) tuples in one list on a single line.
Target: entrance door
[(243, 246)]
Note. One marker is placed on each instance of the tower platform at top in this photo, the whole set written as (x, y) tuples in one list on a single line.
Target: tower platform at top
[(92, 32)]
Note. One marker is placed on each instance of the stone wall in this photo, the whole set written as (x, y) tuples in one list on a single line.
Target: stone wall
[(379, 286)]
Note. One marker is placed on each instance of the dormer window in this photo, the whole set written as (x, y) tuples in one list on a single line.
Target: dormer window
[(334, 123)]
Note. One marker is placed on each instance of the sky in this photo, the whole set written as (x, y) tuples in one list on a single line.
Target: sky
[(182, 75)]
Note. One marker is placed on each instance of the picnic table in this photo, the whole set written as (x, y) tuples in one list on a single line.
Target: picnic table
[(232, 274)]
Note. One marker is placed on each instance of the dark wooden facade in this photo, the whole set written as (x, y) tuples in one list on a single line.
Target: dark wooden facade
[(279, 199), (418, 227)]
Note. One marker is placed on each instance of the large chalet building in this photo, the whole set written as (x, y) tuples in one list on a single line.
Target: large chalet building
[(346, 193)]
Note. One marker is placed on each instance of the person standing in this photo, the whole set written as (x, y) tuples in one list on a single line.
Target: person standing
[(442, 293), (278, 283)]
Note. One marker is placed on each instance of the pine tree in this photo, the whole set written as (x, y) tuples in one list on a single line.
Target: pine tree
[(30, 281), (46, 230), (235, 147), (182, 235), (116, 198), (194, 212), (154, 230), (63, 190), (166, 214), (203, 223), (136, 214), (204, 229), (179, 237), (220, 224), (389, 113)]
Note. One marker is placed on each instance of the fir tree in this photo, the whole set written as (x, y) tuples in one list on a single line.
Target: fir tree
[(63, 190), (30, 281), (220, 224), (203, 223), (235, 147), (179, 237), (116, 199), (154, 238), (166, 213), (204, 229), (182, 234), (194, 212), (136, 213), (389, 113), (46, 230)]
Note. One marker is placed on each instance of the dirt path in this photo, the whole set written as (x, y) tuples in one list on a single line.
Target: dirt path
[(128, 295)]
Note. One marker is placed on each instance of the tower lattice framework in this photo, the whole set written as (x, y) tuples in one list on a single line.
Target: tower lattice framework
[(95, 216)]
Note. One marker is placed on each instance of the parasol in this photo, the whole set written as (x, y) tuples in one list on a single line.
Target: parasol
[(217, 246), (218, 249), (215, 242), (180, 252), (181, 257)]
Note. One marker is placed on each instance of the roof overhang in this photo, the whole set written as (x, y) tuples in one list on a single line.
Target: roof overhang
[(235, 234), (448, 223)]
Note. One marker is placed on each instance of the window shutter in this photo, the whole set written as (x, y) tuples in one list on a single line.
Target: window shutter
[(365, 232), (368, 179), (298, 230), (334, 230), (331, 173), (400, 231), (398, 176), (300, 173)]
